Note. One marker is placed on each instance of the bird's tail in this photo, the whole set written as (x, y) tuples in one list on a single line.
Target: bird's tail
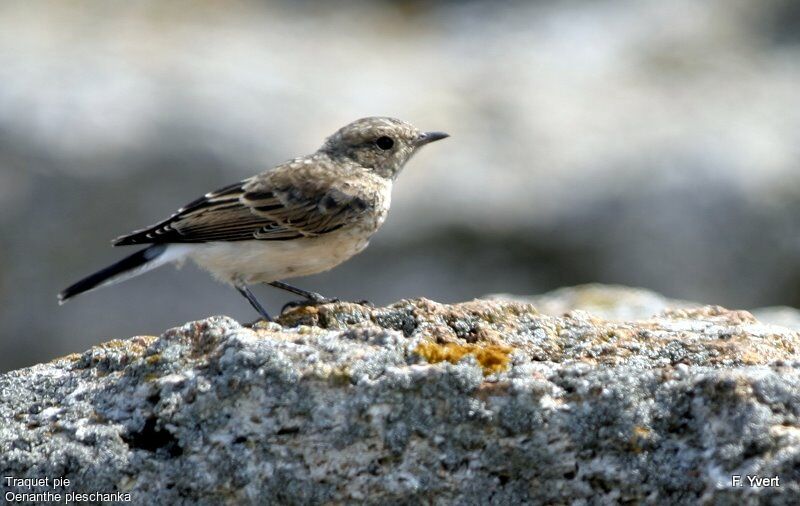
[(130, 266)]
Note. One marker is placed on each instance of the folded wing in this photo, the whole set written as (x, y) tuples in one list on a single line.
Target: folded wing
[(275, 206)]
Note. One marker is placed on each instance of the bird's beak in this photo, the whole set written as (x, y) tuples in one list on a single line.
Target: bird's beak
[(428, 137)]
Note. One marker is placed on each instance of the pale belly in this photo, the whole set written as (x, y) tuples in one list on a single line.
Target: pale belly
[(265, 261)]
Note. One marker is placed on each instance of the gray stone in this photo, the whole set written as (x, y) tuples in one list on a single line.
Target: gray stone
[(625, 303), (475, 403), (611, 302)]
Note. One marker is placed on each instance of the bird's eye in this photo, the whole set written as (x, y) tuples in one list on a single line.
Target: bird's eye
[(384, 143)]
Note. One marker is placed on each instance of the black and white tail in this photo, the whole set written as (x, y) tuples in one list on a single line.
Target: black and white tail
[(130, 266)]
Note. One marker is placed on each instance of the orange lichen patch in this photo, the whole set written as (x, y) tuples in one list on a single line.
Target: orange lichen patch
[(639, 438), (492, 358)]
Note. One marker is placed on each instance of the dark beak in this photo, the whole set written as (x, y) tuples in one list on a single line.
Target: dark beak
[(428, 137)]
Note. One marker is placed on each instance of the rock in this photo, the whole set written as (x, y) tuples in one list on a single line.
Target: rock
[(624, 303), (779, 315), (482, 402), (612, 302)]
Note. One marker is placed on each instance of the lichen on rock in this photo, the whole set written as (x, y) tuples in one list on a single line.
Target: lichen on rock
[(488, 401)]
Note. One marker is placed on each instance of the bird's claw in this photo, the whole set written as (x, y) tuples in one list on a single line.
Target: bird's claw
[(318, 301), (306, 303)]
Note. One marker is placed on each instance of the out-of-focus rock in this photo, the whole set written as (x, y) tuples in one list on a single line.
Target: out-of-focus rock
[(611, 302), (616, 302), (484, 402), (788, 317), (643, 143)]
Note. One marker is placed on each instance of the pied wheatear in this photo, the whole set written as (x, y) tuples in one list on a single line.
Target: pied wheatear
[(300, 218)]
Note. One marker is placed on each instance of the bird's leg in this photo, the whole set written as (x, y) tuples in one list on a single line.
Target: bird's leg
[(313, 297), (253, 301)]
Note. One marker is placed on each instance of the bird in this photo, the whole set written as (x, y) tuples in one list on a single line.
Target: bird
[(301, 217)]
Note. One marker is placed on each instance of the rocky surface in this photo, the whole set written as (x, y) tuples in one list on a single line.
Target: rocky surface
[(487, 401)]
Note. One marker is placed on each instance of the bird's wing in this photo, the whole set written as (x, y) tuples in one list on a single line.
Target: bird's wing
[(274, 206)]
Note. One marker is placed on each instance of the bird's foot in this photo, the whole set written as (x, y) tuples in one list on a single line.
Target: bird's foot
[(318, 301), (295, 304)]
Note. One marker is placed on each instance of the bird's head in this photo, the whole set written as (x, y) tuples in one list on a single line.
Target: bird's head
[(381, 144)]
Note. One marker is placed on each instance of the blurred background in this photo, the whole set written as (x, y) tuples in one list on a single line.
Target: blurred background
[(646, 143)]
